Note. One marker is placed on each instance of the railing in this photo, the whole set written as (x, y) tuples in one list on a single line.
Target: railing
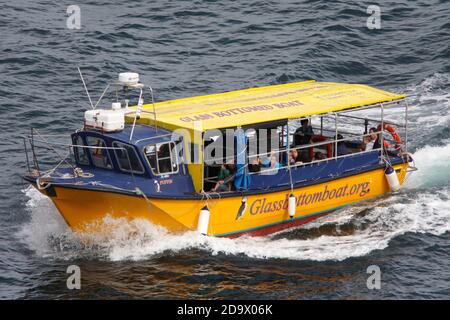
[(31, 140), (308, 146), (154, 137), (332, 141)]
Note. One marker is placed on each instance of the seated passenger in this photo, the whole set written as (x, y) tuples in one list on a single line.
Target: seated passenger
[(225, 178), (369, 141), (341, 146), (254, 165), (272, 162), (294, 157), (303, 134), (377, 143), (231, 166), (377, 139), (319, 156)]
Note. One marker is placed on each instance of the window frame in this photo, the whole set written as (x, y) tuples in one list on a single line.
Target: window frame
[(107, 152), (157, 159), (76, 150), (114, 145)]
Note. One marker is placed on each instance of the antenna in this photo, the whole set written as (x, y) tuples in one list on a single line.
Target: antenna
[(85, 88)]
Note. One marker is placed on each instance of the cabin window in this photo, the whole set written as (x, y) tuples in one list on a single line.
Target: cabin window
[(162, 158), (127, 157), (79, 152), (100, 156)]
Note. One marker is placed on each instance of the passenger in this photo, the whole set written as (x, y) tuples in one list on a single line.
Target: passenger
[(303, 134), (341, 146), (377, 142), (225, 177), (272, 162), (372, 138), (319, 156), (376, 138), (231, 166), (365, 143), (255, 165), (369, 140), (294, 158)]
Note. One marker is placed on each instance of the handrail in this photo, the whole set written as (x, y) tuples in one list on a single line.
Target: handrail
[(70, 145), (281, 150), (318, 144), (373, 120), (331, 141), (129, 112), (375, 105), (138, 112), (154, 137), (71, 148), (26, 154), (314, 162), (312, 145), (340, 131)]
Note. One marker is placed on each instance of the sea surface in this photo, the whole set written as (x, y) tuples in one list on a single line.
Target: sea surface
[(186, 48)]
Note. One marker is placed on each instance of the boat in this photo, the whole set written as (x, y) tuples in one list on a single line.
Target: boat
[(246, 162)]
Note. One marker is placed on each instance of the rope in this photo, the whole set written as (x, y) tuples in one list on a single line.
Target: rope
[(290, 179), (207, 198)]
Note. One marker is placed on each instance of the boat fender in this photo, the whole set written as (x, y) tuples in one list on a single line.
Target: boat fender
[(392, 179), (203, 221), (292, 206), (242, 208)]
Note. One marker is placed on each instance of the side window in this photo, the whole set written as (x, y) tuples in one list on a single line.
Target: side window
[(80, 153), (125, 161), (162, 158), (99, 156)]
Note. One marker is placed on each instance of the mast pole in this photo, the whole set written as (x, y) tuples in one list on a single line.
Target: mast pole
[(85, 88)]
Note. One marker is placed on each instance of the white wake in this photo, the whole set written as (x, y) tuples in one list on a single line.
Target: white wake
[(422, 213)]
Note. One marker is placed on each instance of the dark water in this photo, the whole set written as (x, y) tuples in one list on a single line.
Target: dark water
[(185, 48)]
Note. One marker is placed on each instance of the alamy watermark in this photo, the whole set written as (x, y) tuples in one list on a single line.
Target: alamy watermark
[(74, 280), (374, 280), (374, 20), (73, 22)]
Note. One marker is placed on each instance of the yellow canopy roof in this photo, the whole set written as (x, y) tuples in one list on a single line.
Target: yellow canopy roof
[(263, 104)]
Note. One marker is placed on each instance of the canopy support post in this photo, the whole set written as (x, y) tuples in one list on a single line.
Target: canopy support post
[(406, 125), (288, 161), (153, 104), (321, 125), (382, 131), (336, 136)]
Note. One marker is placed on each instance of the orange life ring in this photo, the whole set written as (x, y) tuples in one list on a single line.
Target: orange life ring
[(393, 133)]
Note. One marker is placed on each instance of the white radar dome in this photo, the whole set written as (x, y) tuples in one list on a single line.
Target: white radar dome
[(129, 78)]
